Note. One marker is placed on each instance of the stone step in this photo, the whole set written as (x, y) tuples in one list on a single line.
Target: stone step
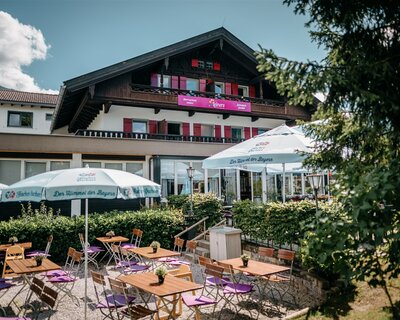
[(203, 244), (202, 252)]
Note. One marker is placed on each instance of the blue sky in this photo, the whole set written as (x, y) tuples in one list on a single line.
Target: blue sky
[(72, 37)]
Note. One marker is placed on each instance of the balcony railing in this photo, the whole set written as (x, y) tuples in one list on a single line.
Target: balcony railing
[(152, 136), (176, 92)]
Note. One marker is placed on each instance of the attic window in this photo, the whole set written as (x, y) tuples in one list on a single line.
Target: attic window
[(201, 64), (209, 65)]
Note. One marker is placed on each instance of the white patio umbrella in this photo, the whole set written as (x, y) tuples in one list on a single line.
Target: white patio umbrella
[(2, 186), (81, 183)]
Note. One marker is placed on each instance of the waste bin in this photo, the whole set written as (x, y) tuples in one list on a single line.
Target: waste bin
[(225, 243)]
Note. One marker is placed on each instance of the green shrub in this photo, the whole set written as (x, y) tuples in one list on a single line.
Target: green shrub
[(157, 224), (204, 204), (177, 201)]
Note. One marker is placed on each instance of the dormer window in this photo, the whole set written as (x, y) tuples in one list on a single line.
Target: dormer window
[(243, 91), (209, 65)]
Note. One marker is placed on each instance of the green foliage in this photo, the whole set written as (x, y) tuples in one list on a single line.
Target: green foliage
[(359, 137), (155, 223), (177, 201), (205, 204)]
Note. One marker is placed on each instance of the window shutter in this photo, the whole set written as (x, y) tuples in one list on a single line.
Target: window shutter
[(152, 126), (217, 131), (254, 132), (154, 80), (228, 88), (185, 129), (197, 129), (217, 66), (252, 91), (227, 132), (203, 85), (246, 131), (195, 63), (235, 89), (127, 125), (182, 83), (175, 82)]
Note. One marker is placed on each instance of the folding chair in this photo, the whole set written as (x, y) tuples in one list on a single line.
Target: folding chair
[(105, 301), (131, 311), (34, 253), (190, 250), (178, 247), (124, 262), (92, 251), (13, 253), (67, 265), (212, 281), (209, 296), (135, 239)]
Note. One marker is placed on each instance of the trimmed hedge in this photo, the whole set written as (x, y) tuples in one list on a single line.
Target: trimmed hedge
[(157, 224)]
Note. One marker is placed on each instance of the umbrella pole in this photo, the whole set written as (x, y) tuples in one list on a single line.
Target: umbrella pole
[(283, 184), (85, 252)]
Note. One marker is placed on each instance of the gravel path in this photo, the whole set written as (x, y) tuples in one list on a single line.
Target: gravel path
[(68, 309)]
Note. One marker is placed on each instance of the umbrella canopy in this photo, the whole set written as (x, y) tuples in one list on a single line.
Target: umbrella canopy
[(2, 186), (280, 145), (81, 183)]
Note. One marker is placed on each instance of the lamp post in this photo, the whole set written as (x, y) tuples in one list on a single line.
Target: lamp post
[(190, 172), (315, 181)]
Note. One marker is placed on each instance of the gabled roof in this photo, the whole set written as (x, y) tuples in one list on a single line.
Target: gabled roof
[(156, 55), (30, 98)]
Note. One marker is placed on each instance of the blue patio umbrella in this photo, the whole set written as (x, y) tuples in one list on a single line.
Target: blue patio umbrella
[(81, 183)]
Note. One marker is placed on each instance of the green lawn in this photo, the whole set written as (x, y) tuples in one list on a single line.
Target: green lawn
[(367, 304)]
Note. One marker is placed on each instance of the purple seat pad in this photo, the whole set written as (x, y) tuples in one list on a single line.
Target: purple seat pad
[(238, 288), (195, 301), (119, 299), (61, 279)]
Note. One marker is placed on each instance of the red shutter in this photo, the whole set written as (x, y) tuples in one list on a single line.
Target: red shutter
[(227, 132), (182, 83), (127, 125), (203, 85), (152, 126), (246, 131), (217, 129), (185, 129), (154, 80), (235, 89), (217, 66), (252, 91), (175, 82), (228, 88), (197, 129), (195, 63), (254, 132)]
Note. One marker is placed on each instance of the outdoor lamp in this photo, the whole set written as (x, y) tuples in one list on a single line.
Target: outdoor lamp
[(315, 180), (190, 172), (228, 218)]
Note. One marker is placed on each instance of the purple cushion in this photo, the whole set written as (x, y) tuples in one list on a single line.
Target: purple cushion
[(5, 285), (238, 288), (61, 279), (56, 273), (167, 259), (35, 253), (127, 245), (136, 268), (213, 281), (119, 299), (125, 264), (94, 249), (2, 280), (195, 301), (14, 318), (178, 262)]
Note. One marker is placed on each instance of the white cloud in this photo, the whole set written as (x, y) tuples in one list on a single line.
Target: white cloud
[(20, 45)]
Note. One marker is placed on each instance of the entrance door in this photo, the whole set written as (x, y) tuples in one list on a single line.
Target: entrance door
[(245, 185)]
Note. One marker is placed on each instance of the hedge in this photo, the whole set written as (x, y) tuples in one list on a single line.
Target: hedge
[(157, 224)]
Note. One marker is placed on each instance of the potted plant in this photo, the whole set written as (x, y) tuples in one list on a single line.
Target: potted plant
[(110, 234), (161, 272), (39, 259), (13, 240), (245, 259), (155, 245)]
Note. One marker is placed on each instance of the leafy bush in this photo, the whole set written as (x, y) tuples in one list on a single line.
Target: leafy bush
[(157, 224), (204, 204), (177, 201)]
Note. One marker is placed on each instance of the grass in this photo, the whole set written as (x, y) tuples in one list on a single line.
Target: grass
[(361, 303)]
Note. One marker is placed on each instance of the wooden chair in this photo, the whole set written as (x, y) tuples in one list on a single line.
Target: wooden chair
[(136, 238), (34, 253), (191, 248), (13, 253), (178, 247), (265, 253)]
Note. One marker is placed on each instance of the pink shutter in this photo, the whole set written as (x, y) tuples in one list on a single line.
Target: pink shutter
[(185, 129), (182, 83), (154, 80), (252, 91), (127, 125), (227, 132), (228, 88), (195, 63), (217, 66), (197, 129), (203, 85), (235, 89), (152, 126), (217, 129), (175, 82), (246, 131), (254, 132)]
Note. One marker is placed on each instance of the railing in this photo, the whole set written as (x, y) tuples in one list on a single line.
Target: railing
[(153, 136), (207, 231), (193, 226), (175, 92)]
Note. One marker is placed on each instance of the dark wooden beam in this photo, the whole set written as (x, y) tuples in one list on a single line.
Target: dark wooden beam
[(107, 106), (79, 110), (91, 90), (157, 110), (254, 118), (226, 116), (191, 113)]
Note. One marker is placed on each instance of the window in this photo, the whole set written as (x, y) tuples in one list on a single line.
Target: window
[(192, 84), (209, 65), (34, 168), (219, 87), (236, 133), (261, 130), (59, 165), (113, 165), (201, 64), (135, 168), (166, 81), (92, 164), (139, 126), (243, 91), (49, 116), (207, 130), (10, 171), (174, 128), (20, 119)]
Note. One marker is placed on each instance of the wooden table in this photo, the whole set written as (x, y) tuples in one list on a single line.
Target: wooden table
[(256, 268), (108, 242), (172, 286), (25, 245), (147, 253)]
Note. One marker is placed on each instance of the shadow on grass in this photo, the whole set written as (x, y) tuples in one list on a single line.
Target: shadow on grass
[(337, 304), (393, 315)]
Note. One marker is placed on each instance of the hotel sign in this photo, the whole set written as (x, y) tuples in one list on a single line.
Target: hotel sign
[(211, 103)]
